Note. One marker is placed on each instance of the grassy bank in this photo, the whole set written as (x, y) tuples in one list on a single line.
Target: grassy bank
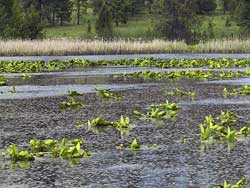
[(96, 47)]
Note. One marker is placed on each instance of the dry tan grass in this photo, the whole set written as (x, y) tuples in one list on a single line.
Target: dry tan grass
[(224, 46), (79, 47)]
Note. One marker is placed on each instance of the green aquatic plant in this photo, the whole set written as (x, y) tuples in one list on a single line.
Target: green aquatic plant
[(96, 124), (26, 76), (123, 126), (107, 94), (65, 149), (242, 183), (3, 81), (13, 90), (227, 93), (71, 103), (222, 128), (243, 90), (179, 93), (16, 155), (164, 76), (73, 93), (164, 111), (57, 65), (134, 145)]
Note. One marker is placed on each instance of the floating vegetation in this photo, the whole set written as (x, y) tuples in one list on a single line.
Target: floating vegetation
[(220, 128), (13, 90), (3, 81), (73, 93), (230, 74), (243, 90), (123, 125), (179, 93), (57, 65), (134, 145), (71, 104), (96, 124), (107, 94), (26, 76), (160, 112), (16, 155), (161, 76), (65, 149), (242, 183)]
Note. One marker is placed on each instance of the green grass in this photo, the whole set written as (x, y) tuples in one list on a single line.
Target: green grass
[(220, 29), (137, 27)]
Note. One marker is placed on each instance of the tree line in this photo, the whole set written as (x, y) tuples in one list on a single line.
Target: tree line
[(175, 19)]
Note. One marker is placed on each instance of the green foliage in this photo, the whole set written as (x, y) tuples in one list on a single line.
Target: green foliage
[(206, 6), (107, 94), (73, 93), (174, 24), (18, 23), (65, 149), (242, 183), (13, 90), (220, 128), (16, 155), (96, 124), (243, 16), (71, 104), (104, 20), (10, 19), (56, 65), (179, 93), (3, 81), (25, 76), (123, 126), (159, 112), (31, 26), (134, 145), (243, 90)]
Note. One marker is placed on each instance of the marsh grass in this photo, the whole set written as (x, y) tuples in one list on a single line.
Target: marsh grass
[(97, 47)]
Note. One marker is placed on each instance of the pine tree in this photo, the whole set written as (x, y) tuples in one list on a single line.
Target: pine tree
[(104, 20), (176, 19), (10, 19), (63, 10), (244, 16)]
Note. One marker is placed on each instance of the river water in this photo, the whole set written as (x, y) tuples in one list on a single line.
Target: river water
[(132, 56), (181, 160)]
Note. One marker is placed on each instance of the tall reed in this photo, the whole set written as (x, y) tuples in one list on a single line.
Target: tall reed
[(97, 47)]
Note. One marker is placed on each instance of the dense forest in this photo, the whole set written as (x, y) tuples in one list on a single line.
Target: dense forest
[(172, 19)]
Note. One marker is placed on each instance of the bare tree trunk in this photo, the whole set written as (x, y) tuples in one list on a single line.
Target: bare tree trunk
[(78, 11)]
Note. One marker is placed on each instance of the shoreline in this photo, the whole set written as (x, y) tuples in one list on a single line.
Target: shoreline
[(127, 56)]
